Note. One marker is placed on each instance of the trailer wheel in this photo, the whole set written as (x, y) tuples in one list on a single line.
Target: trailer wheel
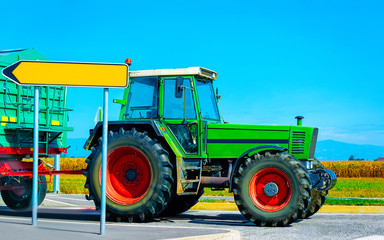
[(139, 176), (318, 197), (272, 189), (21, 198), (180, 204)]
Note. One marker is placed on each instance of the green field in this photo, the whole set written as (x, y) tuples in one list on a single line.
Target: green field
[(70, 184), (344, 189), (354, 201), (358, 187)]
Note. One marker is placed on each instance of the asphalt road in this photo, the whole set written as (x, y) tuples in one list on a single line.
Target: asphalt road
[(320, 226), (71, 216)]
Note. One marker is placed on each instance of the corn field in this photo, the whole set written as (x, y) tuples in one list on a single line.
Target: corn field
[(356, 169), (68, 163)]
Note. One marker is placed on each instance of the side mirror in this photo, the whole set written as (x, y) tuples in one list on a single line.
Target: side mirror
[(218, 97), (120, 101), (179, 87)]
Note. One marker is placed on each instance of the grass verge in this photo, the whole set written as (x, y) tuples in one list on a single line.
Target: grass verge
[(329, 201), (70, 184), (358, 187), (355, 202)]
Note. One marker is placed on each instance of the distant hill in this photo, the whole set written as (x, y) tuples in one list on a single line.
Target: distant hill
[(333, 150), (325, 150)]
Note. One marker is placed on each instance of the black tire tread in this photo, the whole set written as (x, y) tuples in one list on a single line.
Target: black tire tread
[(152, 208), (300, 173), (26, 202)]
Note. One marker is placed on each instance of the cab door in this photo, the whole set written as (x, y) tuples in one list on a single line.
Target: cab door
[(179, 114)]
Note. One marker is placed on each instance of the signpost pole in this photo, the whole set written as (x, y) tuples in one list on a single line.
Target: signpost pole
[(35, 157), (104, 163), (56, 181)]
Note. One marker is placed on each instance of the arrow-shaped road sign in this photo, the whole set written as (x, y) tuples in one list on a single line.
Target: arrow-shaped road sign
[(67, 74)]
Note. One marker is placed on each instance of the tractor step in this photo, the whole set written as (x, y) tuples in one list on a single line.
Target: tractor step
[(190, 181), (191, 168), (190, 175), (187, 194)]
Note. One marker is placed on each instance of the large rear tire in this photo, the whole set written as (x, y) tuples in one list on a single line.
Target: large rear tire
[(180, 204), (21, 198), (272, 189), (139, 176), (318, 197)]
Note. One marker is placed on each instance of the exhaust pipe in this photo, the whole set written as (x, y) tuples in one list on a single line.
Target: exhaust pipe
[(299, 120)]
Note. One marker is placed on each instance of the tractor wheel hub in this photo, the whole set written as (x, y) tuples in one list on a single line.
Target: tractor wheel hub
[(271, 189), (131, 175)]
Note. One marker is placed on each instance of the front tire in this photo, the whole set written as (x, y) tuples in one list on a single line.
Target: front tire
[(20, 199), (272, 189), (139, 176)]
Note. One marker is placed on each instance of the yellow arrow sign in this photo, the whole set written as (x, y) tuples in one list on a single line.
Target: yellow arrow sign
[(67, 74)]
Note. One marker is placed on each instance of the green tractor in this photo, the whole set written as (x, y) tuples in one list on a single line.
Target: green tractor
[(170, 143)]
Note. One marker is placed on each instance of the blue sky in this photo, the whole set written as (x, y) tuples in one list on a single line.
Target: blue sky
[(275, 59)]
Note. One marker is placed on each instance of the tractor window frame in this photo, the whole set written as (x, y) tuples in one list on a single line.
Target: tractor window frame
[(211, 108)]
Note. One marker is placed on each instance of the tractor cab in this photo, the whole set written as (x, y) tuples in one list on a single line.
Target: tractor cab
[(183, 100)]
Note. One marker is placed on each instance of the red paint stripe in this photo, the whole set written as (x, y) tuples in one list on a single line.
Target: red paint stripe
[(29, 151)]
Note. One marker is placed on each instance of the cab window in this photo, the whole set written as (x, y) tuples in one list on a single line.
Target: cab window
[(174, 107), (207, 100), (142, 98)]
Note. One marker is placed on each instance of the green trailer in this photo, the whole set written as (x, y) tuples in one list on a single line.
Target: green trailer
[(16, 131), (170, 142)]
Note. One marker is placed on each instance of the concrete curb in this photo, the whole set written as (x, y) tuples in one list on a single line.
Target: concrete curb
[(324, 209), (230, 235), (228, 206)]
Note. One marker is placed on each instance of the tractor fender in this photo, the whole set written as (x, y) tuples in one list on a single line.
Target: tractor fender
[(149, 126), (250, 152)]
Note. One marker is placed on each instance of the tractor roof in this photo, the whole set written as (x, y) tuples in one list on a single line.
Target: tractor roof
[(198, 71)]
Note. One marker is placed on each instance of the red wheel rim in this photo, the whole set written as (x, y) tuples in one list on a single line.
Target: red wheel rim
[(128, 175), (270, 189)]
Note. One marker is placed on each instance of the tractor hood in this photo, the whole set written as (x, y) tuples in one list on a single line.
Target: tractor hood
[(231, 140)]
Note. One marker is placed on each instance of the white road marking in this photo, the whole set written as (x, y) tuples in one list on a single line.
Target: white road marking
[(73, 199), (373, 237), (63, 203)]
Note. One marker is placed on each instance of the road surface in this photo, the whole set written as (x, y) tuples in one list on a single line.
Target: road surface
[(73, 215)]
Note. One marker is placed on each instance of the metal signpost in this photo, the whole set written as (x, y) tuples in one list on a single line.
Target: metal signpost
[(56, 178), (39, 73), (35, 157), (104, 164)]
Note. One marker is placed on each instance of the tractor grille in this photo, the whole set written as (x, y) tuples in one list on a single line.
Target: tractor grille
[(298, 140)]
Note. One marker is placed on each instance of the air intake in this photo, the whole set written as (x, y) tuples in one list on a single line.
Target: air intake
[(298, 140)]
